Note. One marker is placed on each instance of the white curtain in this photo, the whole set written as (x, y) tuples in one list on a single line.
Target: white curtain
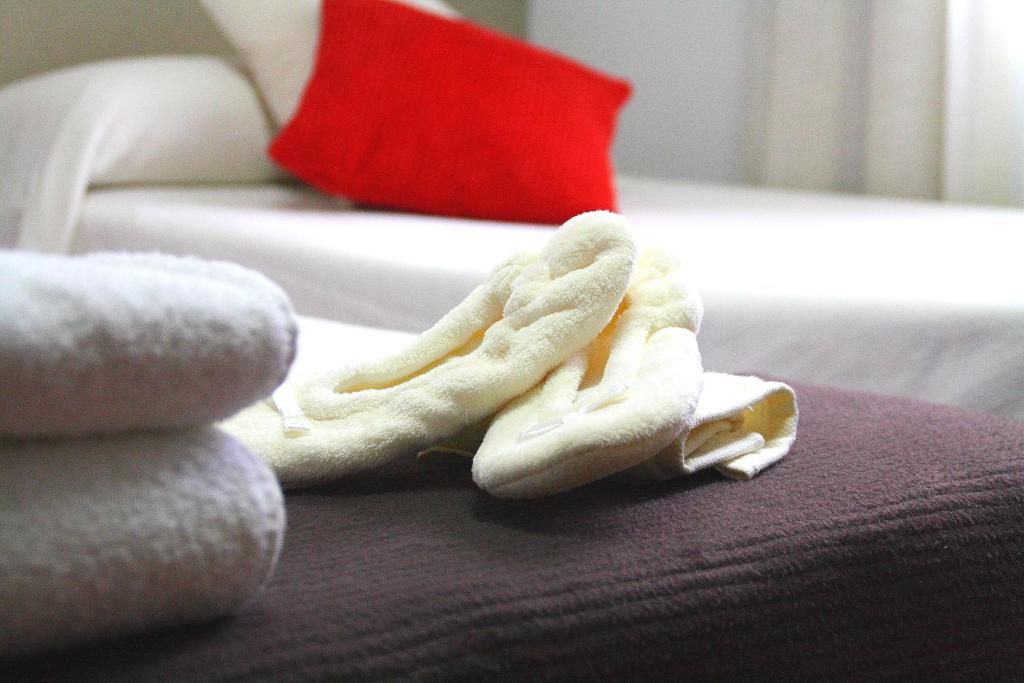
[(913, 98)]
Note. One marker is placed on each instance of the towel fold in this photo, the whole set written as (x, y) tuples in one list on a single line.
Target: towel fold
[(105, 536), (106, 343), (541, 413), (615, 404), (741, 426), (534, 311), (637, 401)]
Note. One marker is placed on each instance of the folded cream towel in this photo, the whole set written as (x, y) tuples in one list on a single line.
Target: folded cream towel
[(614, 405), (110, 342), (534, 312), (105, 536), (636, 400)]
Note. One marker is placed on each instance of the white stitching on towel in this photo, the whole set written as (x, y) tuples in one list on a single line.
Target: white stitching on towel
[(294, 422), (615, 394)]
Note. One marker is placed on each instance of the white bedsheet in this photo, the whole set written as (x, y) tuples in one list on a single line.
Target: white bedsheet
[(906, 298)]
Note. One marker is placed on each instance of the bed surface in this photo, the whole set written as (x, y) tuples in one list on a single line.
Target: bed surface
[(751, 241), (898, 297), (890, 537)]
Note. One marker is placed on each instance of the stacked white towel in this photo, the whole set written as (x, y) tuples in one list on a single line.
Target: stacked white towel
[(110, 342), (121, 508)]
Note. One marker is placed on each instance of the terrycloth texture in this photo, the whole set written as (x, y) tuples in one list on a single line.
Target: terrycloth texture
[(632, 398), (533, 313), (886, 547), (106, 536), (741, 426), (143, 120), (636, 399), (112, 342), (615, 404)]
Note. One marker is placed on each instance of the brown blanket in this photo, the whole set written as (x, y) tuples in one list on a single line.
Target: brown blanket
[(889, 543)]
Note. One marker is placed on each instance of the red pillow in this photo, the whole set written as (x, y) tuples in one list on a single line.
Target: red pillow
[(413, 111)]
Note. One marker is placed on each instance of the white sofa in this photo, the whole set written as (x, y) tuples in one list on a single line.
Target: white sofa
[(907, 298)]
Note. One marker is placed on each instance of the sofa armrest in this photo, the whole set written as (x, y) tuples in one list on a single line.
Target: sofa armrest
[(146, 120)]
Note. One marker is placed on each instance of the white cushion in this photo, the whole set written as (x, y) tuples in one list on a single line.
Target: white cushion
[(142, 120)]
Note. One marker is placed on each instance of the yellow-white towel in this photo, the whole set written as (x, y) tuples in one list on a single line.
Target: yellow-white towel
[(564, 368), (742, 426), (614, 405), (534, 312)]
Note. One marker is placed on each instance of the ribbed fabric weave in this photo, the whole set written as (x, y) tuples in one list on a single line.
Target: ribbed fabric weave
[(887, 545)]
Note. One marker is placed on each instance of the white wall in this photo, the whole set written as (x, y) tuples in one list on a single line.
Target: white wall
[(687, 60), (40, 35)]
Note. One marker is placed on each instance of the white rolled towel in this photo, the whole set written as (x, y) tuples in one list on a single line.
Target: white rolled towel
[(105, 343), (106, 536)]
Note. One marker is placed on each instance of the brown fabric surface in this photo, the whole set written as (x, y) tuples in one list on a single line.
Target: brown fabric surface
[(888, 544)]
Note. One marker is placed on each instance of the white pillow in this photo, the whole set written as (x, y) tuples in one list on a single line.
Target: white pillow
[(145, 120), (277, 41)]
